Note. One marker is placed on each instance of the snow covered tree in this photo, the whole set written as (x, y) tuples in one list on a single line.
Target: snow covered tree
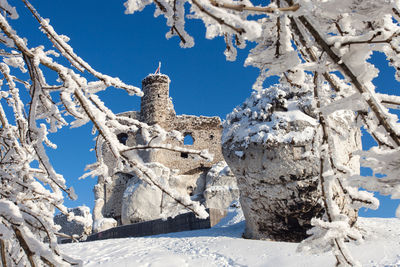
[(331, 41), (30, 188)]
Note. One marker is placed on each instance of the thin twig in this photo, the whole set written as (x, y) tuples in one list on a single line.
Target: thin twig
[(242, 7), (174, 29), (174, 149), (3, 253)]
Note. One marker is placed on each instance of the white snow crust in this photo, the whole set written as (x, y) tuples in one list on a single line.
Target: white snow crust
[(223, 245), (258, 121)]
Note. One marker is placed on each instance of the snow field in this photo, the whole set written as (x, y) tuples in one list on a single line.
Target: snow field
[(222, 245)]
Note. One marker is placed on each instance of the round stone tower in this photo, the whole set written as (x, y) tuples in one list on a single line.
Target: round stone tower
[(156, 106)]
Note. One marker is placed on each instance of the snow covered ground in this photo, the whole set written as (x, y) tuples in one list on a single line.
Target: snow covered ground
[(222, 245)]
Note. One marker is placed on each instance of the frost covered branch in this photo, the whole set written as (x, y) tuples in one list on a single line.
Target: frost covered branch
[(216, 18), (372, 102), (30, 195), (74, 59)]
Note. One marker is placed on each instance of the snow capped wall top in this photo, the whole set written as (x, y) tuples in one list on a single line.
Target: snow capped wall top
[(271, 114), (154, 78)]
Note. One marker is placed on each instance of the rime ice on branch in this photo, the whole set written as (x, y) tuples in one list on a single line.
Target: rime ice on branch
[(30, 188)]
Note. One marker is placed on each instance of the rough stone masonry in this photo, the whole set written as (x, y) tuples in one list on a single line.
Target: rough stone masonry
[(113, 199)]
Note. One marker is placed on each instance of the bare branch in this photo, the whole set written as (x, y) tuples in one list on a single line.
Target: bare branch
[(174, 29), (169, 148), (3, 252), (371, 40), (160, 6), (243, 7)]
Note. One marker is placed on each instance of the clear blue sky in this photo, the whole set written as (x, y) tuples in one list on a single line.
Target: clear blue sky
[(130, 47)]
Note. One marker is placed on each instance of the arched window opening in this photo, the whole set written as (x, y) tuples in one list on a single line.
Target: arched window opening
[(188, 140), (122, 138)]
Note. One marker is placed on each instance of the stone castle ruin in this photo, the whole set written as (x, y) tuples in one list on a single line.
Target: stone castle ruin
[(208, 182), (274, 160)]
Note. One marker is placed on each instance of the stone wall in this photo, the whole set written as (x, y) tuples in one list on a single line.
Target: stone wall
[(113, 195), (157, 108), (182, 222), (205, 133)]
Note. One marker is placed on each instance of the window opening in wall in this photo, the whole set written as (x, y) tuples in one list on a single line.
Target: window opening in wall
[(184, 155), (190, 190), (122, 138), (211, 136), (188, 140)]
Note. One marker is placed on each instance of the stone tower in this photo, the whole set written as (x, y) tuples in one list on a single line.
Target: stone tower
[(156, 106)]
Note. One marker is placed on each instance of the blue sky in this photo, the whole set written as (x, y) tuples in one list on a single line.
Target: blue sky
[(130, 47)]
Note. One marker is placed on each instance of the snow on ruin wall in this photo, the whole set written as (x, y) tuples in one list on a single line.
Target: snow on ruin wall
[(157, 108)]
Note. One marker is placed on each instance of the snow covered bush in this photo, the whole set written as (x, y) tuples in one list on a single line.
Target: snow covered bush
[(77, 229), (30, 188), (332, 41)]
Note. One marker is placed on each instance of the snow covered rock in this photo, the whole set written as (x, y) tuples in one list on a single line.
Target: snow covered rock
[(77, 223), (99, 222), (221, 187), (141, 202), (103, 224), (271, 144)]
